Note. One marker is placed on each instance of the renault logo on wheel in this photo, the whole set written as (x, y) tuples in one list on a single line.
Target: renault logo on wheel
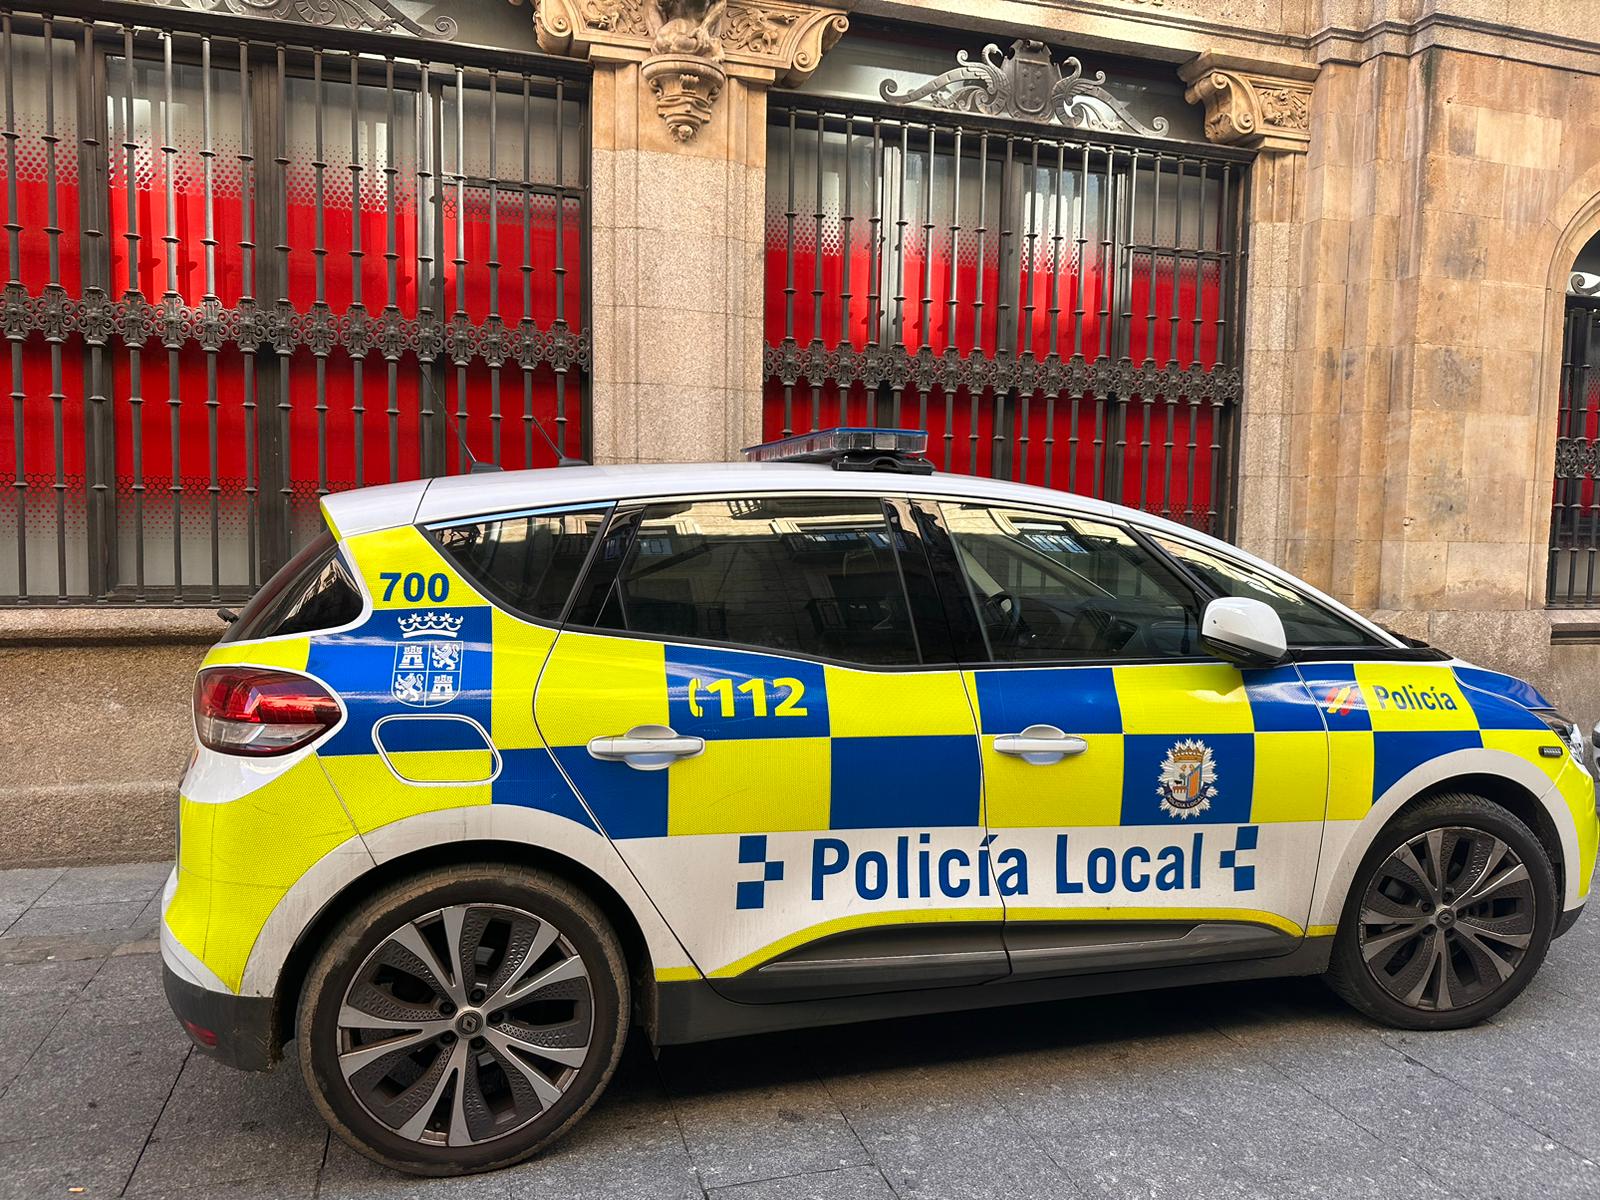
[(469, 1023)]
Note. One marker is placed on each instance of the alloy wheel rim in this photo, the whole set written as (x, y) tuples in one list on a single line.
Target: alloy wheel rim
[(1447, 918), (465, 1024)]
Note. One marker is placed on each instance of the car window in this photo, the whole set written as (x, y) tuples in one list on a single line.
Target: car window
[(529, 562), (1048, 586), (312, 592), (1305, 622), (811, 575)]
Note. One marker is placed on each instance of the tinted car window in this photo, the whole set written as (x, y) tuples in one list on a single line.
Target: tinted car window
[(814, 576), (1305, 622), (1048, 586), (529, 562), (312, 591)]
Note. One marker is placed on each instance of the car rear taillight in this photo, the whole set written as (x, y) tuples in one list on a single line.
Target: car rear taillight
[(256, 712)]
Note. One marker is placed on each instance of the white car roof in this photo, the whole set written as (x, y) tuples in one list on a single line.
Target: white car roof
[(452, 497)]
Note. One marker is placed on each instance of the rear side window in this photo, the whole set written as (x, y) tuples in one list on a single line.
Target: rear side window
[(1305, 622), (528, 562), (809, 575), (312, 592)]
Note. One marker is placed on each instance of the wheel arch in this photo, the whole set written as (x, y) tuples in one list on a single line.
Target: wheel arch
[(472, 852), (1502, 778), (1515, 798)]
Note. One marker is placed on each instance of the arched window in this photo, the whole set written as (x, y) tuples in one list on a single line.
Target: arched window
[(1574, 580)]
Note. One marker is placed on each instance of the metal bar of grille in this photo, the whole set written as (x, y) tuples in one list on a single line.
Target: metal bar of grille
[(280, 321), (135, 301), (1587, 402), (322, 345), (875, 263), (247, 303), (94, 267), (14, 275), (1080, 380), (897, 333), (170, 300), (393, 347), (430, 195), (560, 359), (847, 217), (1217, 490), (210, 339), (356, 318), (1146, 397), (925, 348), (951, 336), (789, 216), (817, 216), (526, 268), (459, 262), (55, 296), (493, 265), (975, 389)]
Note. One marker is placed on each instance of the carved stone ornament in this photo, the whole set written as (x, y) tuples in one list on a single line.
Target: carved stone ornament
[(1254, 104), (373, 16), (1026, 84), (686, 49), (685, 88), (684, 69), (1582, 284)]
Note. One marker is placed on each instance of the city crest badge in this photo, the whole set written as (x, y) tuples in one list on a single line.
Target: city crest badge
[(1188, 780), (427, 662)]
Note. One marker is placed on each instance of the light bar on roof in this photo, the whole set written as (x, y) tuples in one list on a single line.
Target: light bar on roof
[(826, 445)]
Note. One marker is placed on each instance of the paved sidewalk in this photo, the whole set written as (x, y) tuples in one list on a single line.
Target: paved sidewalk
[(1261, 1090)]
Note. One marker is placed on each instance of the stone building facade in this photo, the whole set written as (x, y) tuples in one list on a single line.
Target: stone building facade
[(1387, 201)]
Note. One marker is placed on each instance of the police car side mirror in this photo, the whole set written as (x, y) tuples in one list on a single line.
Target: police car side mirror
[(1247, 633)]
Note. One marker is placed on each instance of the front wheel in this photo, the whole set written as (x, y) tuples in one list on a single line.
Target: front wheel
[(463, 1019), (1448, 917)]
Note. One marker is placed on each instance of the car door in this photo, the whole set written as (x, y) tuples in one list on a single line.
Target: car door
[(756, 697), (1171, 805)]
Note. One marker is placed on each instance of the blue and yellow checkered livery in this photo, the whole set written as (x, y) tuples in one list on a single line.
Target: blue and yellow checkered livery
[(849, 749), (452, 703)]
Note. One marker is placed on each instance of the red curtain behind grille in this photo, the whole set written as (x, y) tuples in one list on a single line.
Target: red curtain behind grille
[(356, 445), (1049, 444)]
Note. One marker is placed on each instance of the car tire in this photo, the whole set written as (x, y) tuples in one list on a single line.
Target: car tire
[(447, 1098), (1424, 949)]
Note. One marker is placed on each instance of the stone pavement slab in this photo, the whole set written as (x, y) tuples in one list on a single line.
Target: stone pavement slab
[(1262, 1090)]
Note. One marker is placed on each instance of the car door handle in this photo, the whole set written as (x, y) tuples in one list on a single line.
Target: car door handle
[(1041, 745), (646, 747)]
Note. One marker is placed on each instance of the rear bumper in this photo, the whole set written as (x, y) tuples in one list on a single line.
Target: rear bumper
[(237, 1030)]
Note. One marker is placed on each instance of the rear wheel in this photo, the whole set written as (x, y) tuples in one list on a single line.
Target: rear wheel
[(1448, 917), (461, 1020)]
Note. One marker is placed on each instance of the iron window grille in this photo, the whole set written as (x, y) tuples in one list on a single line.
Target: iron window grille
[(245, 269), (1575, 506), (1054, 307)]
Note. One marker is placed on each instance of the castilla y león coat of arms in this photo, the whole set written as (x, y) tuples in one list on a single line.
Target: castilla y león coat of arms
[(427, 667), (1188, 781)]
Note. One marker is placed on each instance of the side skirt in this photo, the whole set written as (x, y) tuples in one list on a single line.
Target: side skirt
[(690, 1011)]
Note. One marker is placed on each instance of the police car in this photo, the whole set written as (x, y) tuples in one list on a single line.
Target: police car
[(501, 765)]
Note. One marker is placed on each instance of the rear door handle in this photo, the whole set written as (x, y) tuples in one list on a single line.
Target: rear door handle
[(646, 747), (1041, 745)]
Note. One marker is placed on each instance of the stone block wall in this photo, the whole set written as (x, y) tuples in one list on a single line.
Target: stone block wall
[(96, 707)]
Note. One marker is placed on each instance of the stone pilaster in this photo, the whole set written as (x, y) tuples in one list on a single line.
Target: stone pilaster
[(1264, 106), (678, 209), (1276, 224)]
